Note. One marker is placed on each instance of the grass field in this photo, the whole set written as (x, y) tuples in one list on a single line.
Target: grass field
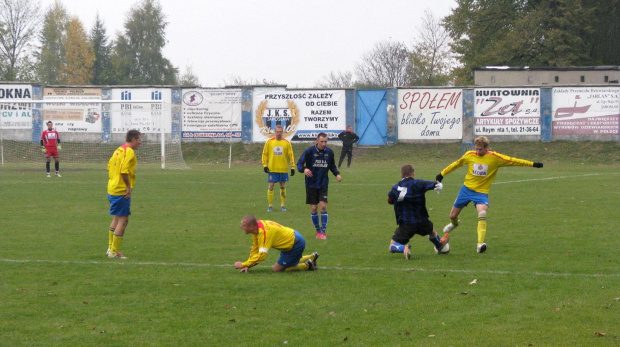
[(551, 275)]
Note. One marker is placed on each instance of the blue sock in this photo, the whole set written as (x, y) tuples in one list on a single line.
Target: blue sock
[(436, 241), (323, 221), (315, 221), (397, 248)]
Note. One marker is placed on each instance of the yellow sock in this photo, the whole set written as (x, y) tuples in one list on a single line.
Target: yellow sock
[(299, 267), (270, 196), (116, 244), (305, 257), (482, 226), (282, 196), (110, 237)]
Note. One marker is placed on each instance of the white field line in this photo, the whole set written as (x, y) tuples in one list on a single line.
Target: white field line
[(119, 262), (547, 178), (388, 183)]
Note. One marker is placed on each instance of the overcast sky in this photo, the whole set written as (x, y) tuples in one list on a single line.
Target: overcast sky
[(292, 42)]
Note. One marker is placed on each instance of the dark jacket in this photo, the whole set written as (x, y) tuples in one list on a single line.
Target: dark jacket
[(348, 138)]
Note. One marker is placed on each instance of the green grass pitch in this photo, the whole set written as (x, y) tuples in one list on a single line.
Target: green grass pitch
[(550, 277)]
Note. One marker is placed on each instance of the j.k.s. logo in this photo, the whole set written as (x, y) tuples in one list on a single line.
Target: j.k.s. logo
[(267, 118)]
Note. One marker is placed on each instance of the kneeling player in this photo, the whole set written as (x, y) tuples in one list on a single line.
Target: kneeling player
[(267, 234)]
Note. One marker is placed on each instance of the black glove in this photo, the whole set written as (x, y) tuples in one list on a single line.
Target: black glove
[(439, 177), (266, 169), (538, 165), (292, 172)]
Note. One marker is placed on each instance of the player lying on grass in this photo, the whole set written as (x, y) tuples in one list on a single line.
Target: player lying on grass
[(482, 166), (267, 234), (409, 202)]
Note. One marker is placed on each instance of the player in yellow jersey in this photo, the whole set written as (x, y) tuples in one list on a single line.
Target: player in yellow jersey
[(277, 159), (268, 234), (121, 180), (482, 166)]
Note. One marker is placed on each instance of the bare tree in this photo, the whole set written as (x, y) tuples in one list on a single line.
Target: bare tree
[(432, 60), (384, 66), (19, 20), (240, 81), (189, 78), (336, 80)]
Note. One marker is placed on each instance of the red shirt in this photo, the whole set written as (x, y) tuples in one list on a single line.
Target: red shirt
[(50, 138)]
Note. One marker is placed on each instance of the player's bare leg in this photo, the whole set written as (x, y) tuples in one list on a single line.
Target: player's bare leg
[(119, 224), (454, 222)]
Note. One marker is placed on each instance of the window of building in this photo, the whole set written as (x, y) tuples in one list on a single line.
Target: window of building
[(530, 79), (606, 79), (492, 79), (557, 79), (583, 79)]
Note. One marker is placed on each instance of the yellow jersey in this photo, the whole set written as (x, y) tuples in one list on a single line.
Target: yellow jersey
[(278, 155), (123, 161), (270, 235), (481, 170)]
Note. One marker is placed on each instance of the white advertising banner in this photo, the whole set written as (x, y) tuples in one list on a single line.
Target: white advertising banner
[(15, 115), (586, 111), (507, 111), (73, 109), (147, 117), (211, 113), (302, 113), (430, 114)]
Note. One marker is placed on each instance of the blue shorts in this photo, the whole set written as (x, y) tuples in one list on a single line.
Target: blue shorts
[(277, 177), (291, 258), (466, 195), (119, 206)]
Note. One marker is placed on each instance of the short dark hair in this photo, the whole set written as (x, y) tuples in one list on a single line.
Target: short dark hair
[(49, 122), (321, 135), (406, 170), (132, 134)]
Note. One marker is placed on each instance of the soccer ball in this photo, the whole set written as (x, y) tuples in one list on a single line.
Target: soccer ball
[(444, 250)]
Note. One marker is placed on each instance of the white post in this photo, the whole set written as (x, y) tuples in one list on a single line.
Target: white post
[(2, 142), (230, 137), (163, 133)]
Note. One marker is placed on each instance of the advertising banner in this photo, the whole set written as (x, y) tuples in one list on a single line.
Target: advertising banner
[(302, 113), (507, 111), (147, 117), (211, 113), (73, 109), (586, 111), (425, 114), (15, 115)]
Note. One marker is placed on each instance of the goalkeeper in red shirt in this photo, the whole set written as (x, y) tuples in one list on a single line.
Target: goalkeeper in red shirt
[(482, 166), (50, 145)]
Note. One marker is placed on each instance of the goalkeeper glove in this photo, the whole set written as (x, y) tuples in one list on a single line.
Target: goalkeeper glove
[(292, 172), (438, 186), (439, 177), (538, 165), (266, 169), (59, 147), (43, 150)]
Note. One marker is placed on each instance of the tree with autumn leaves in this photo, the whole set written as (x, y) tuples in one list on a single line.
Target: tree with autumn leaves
[(68, 55)]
